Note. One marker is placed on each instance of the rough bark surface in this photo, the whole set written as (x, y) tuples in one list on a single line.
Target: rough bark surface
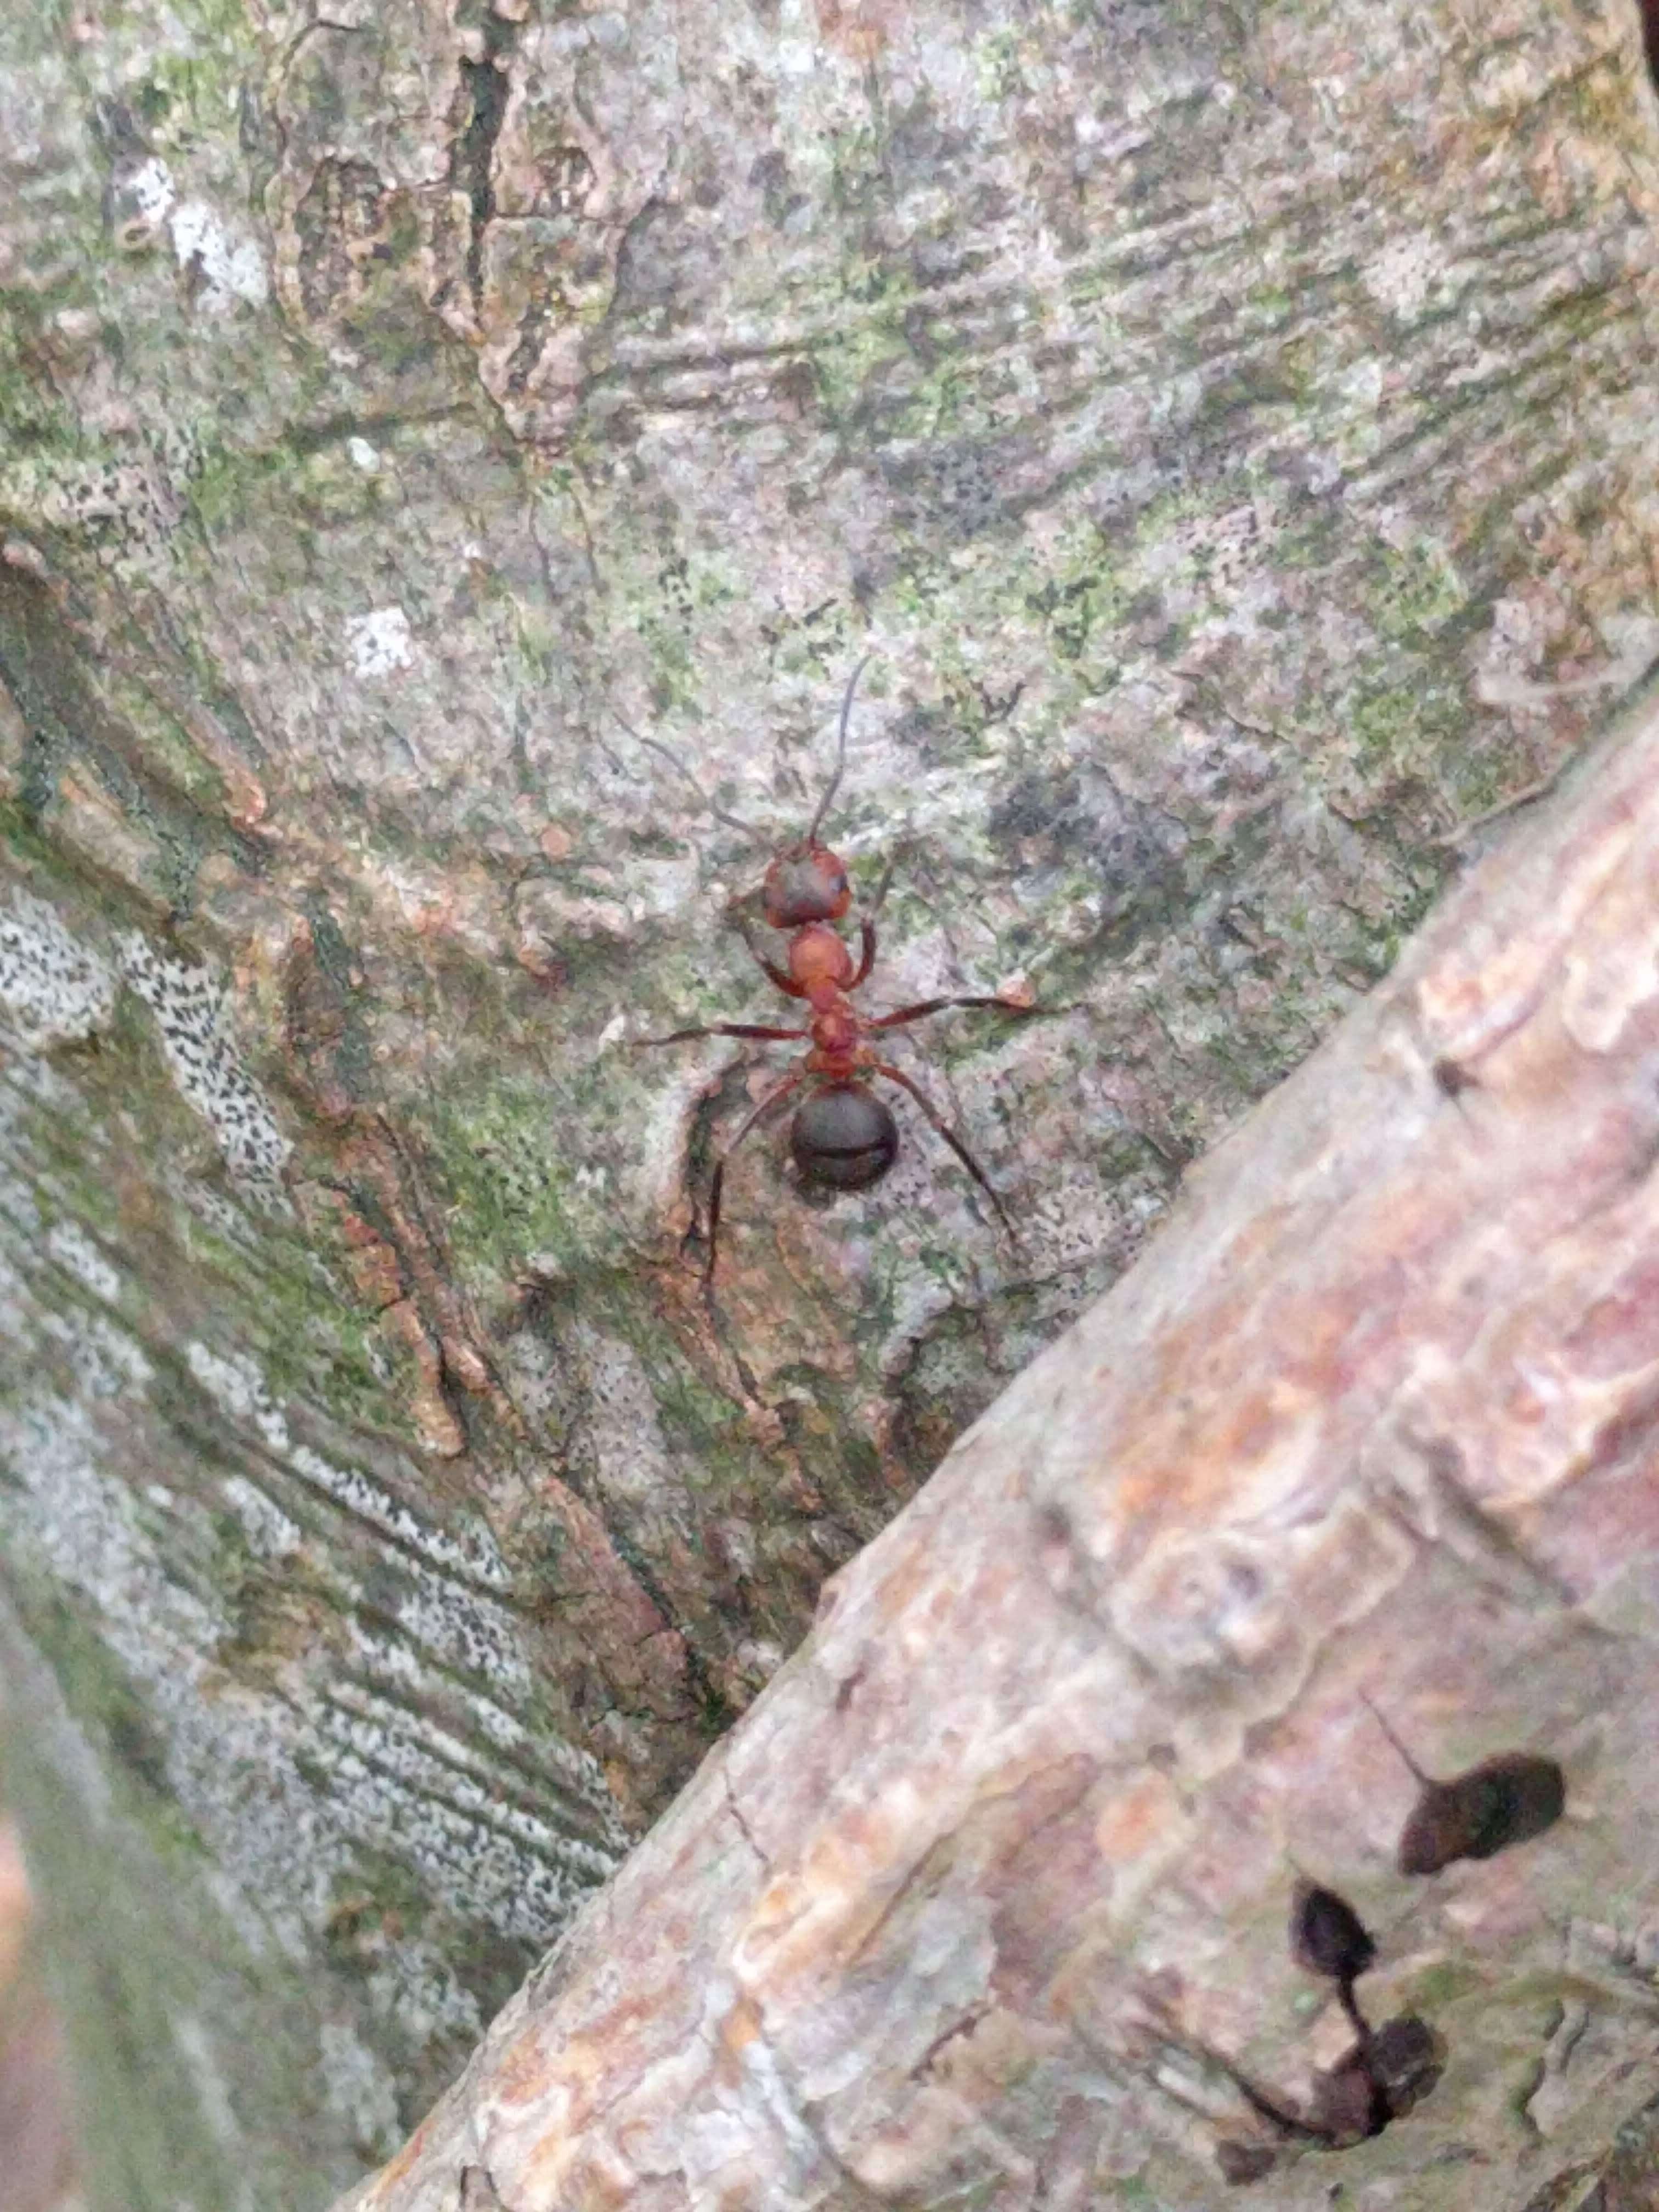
[(985, 1900), (1229, 429)]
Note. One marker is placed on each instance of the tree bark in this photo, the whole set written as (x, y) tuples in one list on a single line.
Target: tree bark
[(423, 426), (985, 1900)]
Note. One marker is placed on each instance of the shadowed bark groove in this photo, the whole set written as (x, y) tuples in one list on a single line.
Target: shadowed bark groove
[(1375, 1417)]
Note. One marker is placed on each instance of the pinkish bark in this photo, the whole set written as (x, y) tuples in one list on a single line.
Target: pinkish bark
[(971, 1905)]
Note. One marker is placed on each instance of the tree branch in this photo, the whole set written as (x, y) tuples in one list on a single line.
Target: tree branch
[(1376, 1414)]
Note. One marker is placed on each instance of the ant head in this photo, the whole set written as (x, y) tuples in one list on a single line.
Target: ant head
[(807, 882), (843, 1138)]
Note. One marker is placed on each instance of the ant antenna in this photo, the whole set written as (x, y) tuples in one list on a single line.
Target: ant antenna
[(840, 749), (1388, 1732), (667, 753)]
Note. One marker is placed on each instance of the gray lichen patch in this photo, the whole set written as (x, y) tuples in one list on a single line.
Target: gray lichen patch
[(305, 1686), (53, 990), (189, 1004), (397, 1730), (359, 2088)]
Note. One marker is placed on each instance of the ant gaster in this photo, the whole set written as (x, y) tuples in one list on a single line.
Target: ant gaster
[(841, 1135)]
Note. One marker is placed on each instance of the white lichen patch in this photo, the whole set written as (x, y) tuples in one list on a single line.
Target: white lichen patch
[(53, 990), (230, 269), (234, 1384), (410, 1674), (140, 197), (62, 1516), (132, 502), (1401, 276), (237, 1387), (214, 1208), (380, 643), (358, 2089), (87, 1527), (438, 1764), (471, 1553), (384, 1749), (1218, 550), (636, 1469), (476, 1863), (192, 1016), (400, 1722), (467, 1631), (1360, 384), (417, 1988), (270, 1534), (150, 188), (106, 1361), (72, 1248), (282, 1790)]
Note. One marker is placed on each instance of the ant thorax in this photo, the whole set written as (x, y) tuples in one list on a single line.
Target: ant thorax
[(820, 963), (835, 1038)]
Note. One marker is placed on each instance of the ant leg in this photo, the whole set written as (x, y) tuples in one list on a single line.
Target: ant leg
[(773, 1097), (943, 1128), (867, 955), (903, 1014), (778, 976), (903, 845), (725, 1028)]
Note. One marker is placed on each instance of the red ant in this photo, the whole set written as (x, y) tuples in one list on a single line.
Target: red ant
[(841, 1135)]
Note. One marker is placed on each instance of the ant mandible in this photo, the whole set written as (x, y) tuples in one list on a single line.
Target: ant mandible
[(841, 1135)]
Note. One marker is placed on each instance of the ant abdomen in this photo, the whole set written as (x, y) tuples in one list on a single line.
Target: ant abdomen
[(843, 1138)]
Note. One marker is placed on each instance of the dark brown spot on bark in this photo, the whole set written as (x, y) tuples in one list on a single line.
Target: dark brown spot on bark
[(1476, 1815), (1452, 1078), (1244, 2162), (1328, 1935), (1504, 1801)]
